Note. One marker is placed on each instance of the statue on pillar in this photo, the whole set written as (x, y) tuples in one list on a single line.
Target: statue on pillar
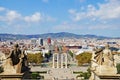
[(13, 62), (108, 58), (104, 57), (56, 49), (65, 49), (103, 61)]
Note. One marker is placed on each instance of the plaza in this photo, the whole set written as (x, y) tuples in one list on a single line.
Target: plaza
[(59, 73)]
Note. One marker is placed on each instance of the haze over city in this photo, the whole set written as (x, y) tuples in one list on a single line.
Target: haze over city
[(98, 17)]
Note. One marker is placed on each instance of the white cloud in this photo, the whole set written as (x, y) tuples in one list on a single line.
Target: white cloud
[(76, 16), (36, 17), (12, 16), (109, 10), (9, 16), (106, 11), (2, 8)]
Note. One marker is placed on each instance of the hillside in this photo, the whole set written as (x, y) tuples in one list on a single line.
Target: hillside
[(51, 35)]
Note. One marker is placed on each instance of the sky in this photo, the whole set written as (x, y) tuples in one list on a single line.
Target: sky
[(97, 17)]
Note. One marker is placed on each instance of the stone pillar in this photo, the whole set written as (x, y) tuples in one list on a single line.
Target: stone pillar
[(57, 60), (53, 60), (65, 60), (61, 60)]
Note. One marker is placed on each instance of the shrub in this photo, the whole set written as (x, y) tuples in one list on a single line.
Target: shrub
[(118, 68), (86, 75), (35, 75)]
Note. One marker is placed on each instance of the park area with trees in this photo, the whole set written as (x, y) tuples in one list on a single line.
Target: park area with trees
[(84, 58), (35, 58)]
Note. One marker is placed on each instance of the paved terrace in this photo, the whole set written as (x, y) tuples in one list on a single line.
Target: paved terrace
[(59, 73)]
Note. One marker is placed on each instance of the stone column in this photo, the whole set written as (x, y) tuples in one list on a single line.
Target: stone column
[(65, 60), (53, 60), (57, 60), (61, 60)]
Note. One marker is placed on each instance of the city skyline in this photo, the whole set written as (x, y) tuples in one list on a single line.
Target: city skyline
[(97, 17)]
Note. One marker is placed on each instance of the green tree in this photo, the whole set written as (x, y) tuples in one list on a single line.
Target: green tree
[(35, 58), (86, 75), (118, 68), (84, 57)]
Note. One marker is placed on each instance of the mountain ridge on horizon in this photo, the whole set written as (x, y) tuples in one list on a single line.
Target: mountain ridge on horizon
[(8, 36)]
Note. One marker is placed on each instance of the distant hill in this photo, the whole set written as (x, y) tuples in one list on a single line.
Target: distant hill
[(51, 35)]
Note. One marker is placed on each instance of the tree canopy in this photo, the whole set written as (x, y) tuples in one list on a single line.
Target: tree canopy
[(35, 58), (83, 58)]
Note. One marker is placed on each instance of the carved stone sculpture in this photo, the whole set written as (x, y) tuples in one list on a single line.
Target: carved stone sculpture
[(13, 62), (103, 62)]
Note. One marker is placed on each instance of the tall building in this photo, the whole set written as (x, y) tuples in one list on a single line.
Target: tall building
[(40, 41), (49, 40)]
